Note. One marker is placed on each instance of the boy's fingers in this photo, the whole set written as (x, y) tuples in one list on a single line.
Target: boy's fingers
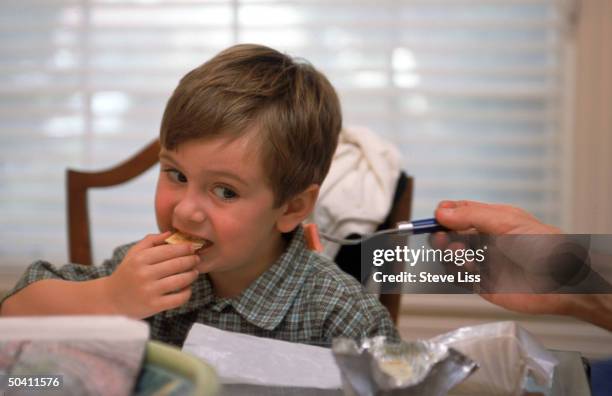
[(151, 240), (165, 252), (172, 283), (162, 238), (175, 266), (174, 300)]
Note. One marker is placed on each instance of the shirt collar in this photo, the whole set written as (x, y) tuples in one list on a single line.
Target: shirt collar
[(266, 301)]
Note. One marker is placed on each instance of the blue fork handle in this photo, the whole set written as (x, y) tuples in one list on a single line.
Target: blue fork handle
[(403, 227), (423, 226)]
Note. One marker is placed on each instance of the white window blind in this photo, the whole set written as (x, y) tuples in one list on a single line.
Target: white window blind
[(469, 90)]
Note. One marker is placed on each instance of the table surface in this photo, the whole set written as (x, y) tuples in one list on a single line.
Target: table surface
[(569, 380)]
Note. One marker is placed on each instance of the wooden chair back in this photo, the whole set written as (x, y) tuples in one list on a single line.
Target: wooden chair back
[(77, 184)]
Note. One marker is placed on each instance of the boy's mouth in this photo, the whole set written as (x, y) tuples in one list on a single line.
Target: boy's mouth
[(198, 243)]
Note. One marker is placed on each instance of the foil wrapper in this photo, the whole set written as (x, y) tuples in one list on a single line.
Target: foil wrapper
[(376, 367)]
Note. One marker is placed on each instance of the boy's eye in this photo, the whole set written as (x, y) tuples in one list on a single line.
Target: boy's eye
[(176, 175), (225, 193)]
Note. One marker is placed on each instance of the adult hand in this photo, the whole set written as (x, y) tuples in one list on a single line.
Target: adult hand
[(153, 277), (491, 219), (470, 216)]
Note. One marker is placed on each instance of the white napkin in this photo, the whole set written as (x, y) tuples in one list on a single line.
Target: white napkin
[(246, 359)]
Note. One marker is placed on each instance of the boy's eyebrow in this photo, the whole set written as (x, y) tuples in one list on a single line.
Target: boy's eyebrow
[(229, 175), (167, 157)]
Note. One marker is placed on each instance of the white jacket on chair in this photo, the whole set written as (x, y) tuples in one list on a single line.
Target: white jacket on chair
[(357, 194)]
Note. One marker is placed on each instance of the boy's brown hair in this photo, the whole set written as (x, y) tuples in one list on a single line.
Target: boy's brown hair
[(294, 108)]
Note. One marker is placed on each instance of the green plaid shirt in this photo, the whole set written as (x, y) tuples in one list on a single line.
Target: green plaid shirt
[(303, 297)]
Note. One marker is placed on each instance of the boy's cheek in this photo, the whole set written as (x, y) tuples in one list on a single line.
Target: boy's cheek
[(163, 211)]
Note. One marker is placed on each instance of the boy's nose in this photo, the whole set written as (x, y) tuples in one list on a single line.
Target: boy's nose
[(196, 216), (189, 211)]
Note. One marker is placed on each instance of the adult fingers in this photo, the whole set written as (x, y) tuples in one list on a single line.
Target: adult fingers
[(439, 240), (463, 215)]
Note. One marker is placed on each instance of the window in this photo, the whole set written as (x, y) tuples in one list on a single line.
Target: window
[(469, 90)]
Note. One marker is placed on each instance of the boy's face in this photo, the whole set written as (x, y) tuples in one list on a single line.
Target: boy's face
[(215, 189)]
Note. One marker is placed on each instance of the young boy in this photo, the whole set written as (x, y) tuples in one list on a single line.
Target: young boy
[(247, 139)]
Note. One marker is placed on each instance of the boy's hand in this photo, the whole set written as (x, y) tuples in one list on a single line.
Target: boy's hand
[(153, 277)]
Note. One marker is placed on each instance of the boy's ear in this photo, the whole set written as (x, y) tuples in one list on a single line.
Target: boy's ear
[(297, 208)]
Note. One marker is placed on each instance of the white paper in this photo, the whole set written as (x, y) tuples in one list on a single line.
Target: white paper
[(246, 359)]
